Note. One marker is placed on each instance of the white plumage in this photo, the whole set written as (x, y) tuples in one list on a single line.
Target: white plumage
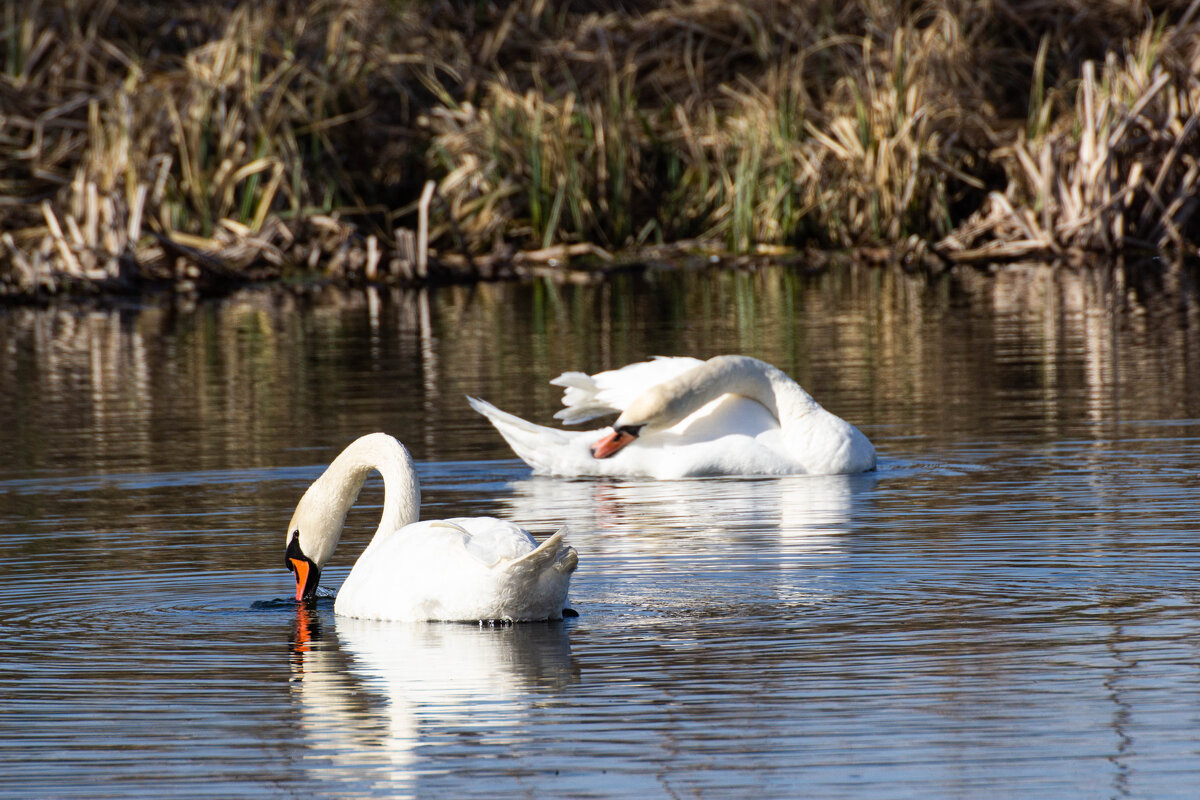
[(729, 415), (467, 568)]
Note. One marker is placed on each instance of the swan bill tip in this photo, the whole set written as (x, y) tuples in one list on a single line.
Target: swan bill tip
[(308, 576)]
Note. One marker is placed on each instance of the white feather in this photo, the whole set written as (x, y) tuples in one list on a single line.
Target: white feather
[(765, 424), (466, 568)]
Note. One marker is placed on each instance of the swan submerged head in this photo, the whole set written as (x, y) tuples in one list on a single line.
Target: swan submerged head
[(308, 574), (312, 536)]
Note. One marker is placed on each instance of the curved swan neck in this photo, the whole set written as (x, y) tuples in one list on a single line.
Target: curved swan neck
[(321, 513), (790, 400), (670, 401)]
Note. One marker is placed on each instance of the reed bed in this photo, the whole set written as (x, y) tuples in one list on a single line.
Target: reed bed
[(215, 144)]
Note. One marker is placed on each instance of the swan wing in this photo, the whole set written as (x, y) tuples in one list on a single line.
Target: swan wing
[(554, 553), (467, 543), (492, 541), (586, 397)]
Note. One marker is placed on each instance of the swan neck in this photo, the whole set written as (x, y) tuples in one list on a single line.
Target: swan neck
[(338, 488), (789, 401), (401, 491), (673, 400)]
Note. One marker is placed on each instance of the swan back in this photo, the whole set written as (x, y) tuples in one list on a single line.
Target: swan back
[(463, 568)]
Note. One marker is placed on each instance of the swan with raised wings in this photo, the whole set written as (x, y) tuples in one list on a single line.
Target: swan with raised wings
[(477, 568), (681, 417)]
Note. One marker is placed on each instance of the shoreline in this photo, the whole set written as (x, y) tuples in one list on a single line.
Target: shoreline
[(1168, 281)]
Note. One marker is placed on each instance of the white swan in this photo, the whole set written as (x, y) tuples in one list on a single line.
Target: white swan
[(683, 417), (477, 568)]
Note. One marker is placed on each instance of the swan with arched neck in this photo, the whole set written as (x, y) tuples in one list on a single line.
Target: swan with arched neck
[(682, 417), (466, 568)]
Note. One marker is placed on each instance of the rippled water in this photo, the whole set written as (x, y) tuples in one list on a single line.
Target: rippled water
[(1008, 607)]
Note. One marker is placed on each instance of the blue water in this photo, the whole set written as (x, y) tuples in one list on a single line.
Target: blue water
[(1006, 608)]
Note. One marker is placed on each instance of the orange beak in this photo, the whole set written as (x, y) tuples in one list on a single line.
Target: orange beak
[(300, 566), (605, 446)]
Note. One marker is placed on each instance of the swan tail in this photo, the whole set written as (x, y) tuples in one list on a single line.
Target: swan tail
[(499, 418), (554, 553), (533, 444)]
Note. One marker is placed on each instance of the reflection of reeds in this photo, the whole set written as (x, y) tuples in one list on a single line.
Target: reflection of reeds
[(249, 381), (222, 142)]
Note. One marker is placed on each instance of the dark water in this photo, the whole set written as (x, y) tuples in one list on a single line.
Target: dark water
[(1009, 607)]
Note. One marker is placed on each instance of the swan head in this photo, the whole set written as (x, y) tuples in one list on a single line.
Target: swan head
[(666, 404), (618, 437), (658, 408), (308, 574), (314, 531)]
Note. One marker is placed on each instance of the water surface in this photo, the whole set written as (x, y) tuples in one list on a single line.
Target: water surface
[(1006, 608)]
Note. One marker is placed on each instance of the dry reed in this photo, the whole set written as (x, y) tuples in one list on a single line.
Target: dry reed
[(205, 146)]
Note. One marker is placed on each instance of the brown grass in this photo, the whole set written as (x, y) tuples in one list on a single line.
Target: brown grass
[(434, 140)]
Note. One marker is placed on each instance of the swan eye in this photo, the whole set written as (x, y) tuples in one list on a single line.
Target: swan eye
[(632, 430), (293, 550)]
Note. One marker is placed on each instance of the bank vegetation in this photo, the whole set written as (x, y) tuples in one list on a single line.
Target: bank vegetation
[(201, 145)]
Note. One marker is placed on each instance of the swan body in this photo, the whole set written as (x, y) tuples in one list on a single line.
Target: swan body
[(682, 417), (467, 568)]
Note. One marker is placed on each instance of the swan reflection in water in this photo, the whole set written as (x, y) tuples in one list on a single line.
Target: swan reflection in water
[(796, 510), (659, 539), (375, 692)]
